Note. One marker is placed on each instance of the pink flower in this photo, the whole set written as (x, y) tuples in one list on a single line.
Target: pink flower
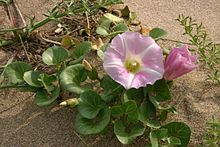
[(134, 60), (179, 62)]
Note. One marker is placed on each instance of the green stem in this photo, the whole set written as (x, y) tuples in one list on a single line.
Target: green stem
[(43, 22), (13, 86), (11, 29), (46, 88), (47, 20), (171, 40)]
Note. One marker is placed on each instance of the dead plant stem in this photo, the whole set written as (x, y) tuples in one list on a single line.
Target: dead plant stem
[(80, 138), (25, 50), (50, 41)]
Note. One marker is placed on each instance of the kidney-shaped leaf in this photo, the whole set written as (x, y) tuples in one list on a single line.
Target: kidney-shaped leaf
[(125, 136), (82, 49), (102, 31), (161, 89), (107, 83), (111, 88), (93, 126), (31, 77), (157, 33), (54, 55), (147, 115), (179, 130), (121, 27), (15, 71), (72, 76), (129, 108), (42, 98), (90, 104)]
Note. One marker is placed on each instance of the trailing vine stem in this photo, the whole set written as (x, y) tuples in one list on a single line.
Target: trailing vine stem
[(55, 14)]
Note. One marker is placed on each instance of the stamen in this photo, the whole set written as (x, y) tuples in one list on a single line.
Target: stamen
[(132, 66)]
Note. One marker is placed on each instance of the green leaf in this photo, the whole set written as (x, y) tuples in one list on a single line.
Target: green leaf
[(126, 134), (161, 133), (66, 42), (2, 75), (111, 88), (157, 135), (100, 53), (125, 12), (147, 115), (129, 109), (93, 75), (118, 29), (54, 55), (15, 71), (81, 50), (179, 130), (117, 111), (135, 94), (93, 126), (163, 115), (42, 98), (105, 23), (107, 83), (158, 106), (154, 139), (72, 76), (47, 79), (174, 140), (32, 78), (132, 16), (90, 104), (161, 89), (102, 31), (157, 33), (121, 27), (113, 18), (5, 42)]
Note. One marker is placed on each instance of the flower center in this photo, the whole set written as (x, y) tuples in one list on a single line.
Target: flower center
[(132, 66)]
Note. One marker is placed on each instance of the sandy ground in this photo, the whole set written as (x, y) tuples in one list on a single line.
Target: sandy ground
[(23, 124)]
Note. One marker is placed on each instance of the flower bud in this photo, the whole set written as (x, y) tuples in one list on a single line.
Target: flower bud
[(179, 62), (87, 65), (70, 102)]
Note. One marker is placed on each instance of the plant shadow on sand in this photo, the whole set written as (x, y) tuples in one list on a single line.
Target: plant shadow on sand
[(26, 124)]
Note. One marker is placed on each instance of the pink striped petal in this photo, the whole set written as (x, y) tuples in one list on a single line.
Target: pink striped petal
[(133, 47)]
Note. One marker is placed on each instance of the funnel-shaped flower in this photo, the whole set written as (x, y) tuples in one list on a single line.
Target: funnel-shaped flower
[(179, 62), (134, 60)]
